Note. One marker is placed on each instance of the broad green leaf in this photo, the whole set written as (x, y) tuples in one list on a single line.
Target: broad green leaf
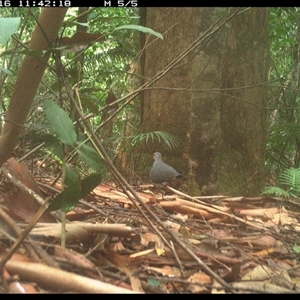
[(72, 188), (6, 71), (60, 123), (57, 202), (8, 26), (71, 193), (53, 145), (142, 29), (91, 157), (89, 183)]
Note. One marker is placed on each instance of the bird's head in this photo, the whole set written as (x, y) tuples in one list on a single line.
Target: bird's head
[(156, 155)]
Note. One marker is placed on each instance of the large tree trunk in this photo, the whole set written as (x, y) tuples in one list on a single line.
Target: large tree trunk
[(204, 128), (192, 116), (223, 142), (243, 105), (168, 109)]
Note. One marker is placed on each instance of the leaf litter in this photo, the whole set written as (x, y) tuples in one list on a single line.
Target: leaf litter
[(178, 244)]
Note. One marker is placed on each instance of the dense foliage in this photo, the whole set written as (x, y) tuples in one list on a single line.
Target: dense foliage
[(93, 70), (103, 71), (283, 143)]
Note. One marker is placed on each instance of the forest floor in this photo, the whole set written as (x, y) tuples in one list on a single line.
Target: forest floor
[(168, 243)]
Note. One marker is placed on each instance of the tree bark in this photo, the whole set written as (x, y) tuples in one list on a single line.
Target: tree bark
[(165, 108), (192, 116), (223, 131), (243, 105), (204, 129)]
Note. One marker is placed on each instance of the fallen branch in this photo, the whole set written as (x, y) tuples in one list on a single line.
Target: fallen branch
[(60, 280)]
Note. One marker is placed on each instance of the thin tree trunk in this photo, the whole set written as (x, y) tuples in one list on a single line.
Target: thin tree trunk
[(29, 77)]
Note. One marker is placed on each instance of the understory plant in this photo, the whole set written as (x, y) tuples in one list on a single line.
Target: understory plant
[(289, 185)]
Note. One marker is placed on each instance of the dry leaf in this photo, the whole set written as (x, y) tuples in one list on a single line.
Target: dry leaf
[(142, 253), (260, 212), (18, 201), (259, 273), (166, 271), (198, 277)]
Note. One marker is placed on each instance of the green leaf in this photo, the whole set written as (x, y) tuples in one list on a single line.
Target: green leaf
[(89, 183), (296, 248), (154, 282), (60, 123), (91, 157), (275, 191), (8, 26), (71, 193), (140, 28), (56, 202), (170, 140), (290, 177), (72, 188), (53, 145), (290, 180), (6, 71)]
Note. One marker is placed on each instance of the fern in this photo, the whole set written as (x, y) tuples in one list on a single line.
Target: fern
[(289, 179), (157, 137), (109, 58), (275, 191), (170, 140)]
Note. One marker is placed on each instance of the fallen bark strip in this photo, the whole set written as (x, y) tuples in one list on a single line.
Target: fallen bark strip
[(206, 210), (116, 229), (80, 230), (59, 280), (262, 287)]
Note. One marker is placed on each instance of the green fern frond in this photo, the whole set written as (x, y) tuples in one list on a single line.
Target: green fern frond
[(170, 140), (291, 178), (275, 191), (107, 58)]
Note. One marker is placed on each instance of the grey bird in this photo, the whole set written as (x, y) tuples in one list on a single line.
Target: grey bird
[(162, 172)]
